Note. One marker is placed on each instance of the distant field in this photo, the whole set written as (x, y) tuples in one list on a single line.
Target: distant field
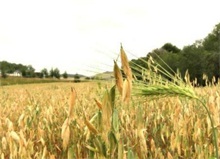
[(21, 80)]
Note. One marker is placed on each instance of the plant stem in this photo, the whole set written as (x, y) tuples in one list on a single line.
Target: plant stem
[(215, 138)]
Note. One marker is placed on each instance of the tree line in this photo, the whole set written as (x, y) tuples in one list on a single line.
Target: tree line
[(7, 68), (201, 59)]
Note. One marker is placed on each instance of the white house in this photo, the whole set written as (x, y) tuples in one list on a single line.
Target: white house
[(17, 73)]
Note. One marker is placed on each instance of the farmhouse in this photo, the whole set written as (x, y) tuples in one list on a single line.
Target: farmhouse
[(16, 73)]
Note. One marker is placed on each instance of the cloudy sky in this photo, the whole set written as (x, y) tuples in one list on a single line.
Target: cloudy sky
[(84, 36)]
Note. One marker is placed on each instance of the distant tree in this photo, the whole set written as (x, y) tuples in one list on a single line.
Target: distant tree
[(194, 59), (88, 78), (212, 41), (39, 75), (23, 72), (56, 72), (76, 78), (51, 73), (12, 67), (65, 75), (3, 73), (171, 48), (4, 65), (30, 71), (45, 73)]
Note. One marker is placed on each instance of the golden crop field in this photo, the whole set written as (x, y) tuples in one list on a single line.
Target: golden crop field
[(125, 118), (32, 117)]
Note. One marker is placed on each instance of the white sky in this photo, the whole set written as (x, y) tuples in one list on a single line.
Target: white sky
[(80, 35)]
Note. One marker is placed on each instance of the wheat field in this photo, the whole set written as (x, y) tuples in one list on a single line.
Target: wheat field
[(32, 117)]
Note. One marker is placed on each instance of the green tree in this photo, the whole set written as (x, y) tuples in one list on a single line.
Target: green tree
[(194, 59), (27, 71), (56, 73), (212, 41), (76, 78), (3, 73), (88, 78), (170, 48), (52, 73), (212, 44), (65, 75), (45, 73), (23, 72), (40, 75), (30, 71), (212, 67)]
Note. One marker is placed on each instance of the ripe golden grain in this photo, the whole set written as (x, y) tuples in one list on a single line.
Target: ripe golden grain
[(90, 127), (23, 141), (52, 157), (4, 143), (142, 141), (125, 65), (42, 141), (169, 156), (9, 124), (44, 156), (98, 104), (15, 136), (21, 121), (65, 133), (126, 94), (118, 78), (72, 102)]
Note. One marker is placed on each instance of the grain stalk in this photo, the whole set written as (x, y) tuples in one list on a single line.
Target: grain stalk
[(154, 82), (65, 132)]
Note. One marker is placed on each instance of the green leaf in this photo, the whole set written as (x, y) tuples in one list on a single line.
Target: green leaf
[(70, 153), (113, 142), (115, 121), (130, 154)]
